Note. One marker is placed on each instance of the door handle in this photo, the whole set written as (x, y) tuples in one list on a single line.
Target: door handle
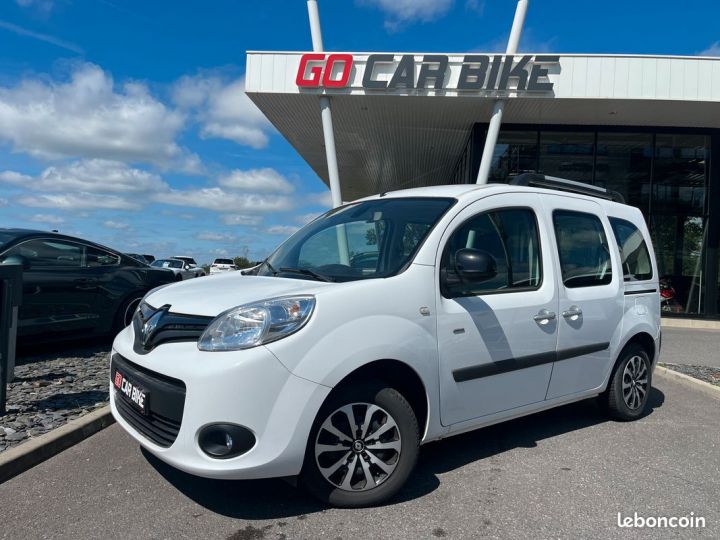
[(573, 313), (544, 316)]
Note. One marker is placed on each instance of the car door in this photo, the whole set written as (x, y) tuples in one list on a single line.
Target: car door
[(591, 296), (58, 296), (497, 336)]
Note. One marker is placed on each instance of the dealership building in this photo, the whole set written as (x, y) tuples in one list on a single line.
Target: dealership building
[(645, 126)]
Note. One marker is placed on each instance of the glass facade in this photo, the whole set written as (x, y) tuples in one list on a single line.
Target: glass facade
[(665, 174)]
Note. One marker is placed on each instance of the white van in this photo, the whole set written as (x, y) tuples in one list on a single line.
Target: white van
[(389, 322)]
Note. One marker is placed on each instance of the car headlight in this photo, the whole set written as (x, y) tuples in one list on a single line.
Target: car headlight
[(255, 324)]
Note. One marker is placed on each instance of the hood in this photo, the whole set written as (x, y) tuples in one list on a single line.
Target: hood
[(210, 296)]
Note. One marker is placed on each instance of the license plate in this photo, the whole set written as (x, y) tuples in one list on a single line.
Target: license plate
[(137, 396)]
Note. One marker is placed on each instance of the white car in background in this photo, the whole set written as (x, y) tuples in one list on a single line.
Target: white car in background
[(197, 270), (181, 269), (222, 265)]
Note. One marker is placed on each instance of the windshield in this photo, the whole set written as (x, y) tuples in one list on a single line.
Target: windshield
[(167, 264), (6, 237), (364, 240)]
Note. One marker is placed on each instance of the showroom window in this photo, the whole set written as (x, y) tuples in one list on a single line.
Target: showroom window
[(567, 155), (624, 164)]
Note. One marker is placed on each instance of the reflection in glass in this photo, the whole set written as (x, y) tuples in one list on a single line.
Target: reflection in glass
[(567, 155), (515, 153), (679, 175), (623, 164)]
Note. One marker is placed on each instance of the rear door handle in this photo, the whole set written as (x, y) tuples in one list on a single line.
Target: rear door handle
[(573, 313), (544, 316)]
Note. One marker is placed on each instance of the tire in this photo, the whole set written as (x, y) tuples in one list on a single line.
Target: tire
[(627, 394), (178, 277), (386, 469), (123, 316)]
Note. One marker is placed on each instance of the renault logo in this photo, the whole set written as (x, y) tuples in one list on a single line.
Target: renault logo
[(149, 320)]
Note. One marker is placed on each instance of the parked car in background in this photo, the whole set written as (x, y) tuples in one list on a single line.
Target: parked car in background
[(198, 271), (74, 287), (222, 265), (138, 257), (149, 258), (180, 269)]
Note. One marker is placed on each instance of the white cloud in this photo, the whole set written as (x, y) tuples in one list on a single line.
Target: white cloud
[(323, 198), (240, 219), (403, 11), (286, 230), (47, 218), (79, 201), (712, 50), (220, 200), (223, 109), (88, 117), (215, 237), (119, 225), (258, 180), (91, 175)]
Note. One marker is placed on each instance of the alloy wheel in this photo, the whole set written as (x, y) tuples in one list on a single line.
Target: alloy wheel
[(635, 382), (358, 447)]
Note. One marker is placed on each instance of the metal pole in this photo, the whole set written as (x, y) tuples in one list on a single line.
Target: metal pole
[(329, 137), (496, 119), (326, 114)]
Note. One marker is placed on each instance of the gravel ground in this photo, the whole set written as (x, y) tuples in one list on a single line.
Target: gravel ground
[(704, 373), (51, 389)]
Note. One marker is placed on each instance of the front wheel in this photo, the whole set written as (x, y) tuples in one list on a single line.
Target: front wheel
[(362, 447), (629, 388)]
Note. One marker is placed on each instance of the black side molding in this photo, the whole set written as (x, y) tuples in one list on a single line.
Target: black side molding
[(566, 354), (513, 364), (642, 291)]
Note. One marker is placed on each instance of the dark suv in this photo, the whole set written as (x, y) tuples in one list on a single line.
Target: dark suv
[(72, 286)]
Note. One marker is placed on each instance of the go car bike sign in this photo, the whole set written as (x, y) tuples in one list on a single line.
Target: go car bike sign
[(136, 395), (477, 72)]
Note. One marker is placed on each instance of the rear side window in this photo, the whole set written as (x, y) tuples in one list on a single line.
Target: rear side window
[(633, 250), (583, 249)]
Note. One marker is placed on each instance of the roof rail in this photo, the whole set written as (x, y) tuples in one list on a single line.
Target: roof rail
[(562, 184)]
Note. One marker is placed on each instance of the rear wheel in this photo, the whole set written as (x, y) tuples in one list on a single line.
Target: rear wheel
[(362, 448), (124, 314), (629, 387)]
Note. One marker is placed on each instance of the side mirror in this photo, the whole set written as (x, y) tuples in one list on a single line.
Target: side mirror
[(475, 265), (19, 260)]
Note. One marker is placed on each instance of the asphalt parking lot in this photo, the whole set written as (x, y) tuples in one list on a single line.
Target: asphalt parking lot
[(564, 473)]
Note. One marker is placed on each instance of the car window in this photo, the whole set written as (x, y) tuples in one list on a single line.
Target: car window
[(99, 257), (511, 238), (48, 253), (363, 240), (583, 249), (633, 250)]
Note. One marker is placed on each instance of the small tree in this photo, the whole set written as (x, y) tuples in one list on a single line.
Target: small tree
[(242, 262)]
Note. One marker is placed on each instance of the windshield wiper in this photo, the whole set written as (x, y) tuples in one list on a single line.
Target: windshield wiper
[(306, 272)]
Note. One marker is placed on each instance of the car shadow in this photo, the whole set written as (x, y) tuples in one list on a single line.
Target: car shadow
[(29, 353), (70, 400), (276, 499)]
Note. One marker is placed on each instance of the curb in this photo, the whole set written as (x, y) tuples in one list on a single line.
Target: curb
[(695, 324), (701, 385), (36, 450)]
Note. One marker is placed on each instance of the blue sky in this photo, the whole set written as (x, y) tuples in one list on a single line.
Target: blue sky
[(125, 121)]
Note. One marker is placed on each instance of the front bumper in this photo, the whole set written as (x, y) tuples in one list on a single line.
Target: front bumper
[(250, 388)]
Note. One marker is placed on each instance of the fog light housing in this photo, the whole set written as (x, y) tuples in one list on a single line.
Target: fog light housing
[(224, 441)]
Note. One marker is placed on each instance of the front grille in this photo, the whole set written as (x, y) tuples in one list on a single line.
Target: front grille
[(167, 327), (165, 405)]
